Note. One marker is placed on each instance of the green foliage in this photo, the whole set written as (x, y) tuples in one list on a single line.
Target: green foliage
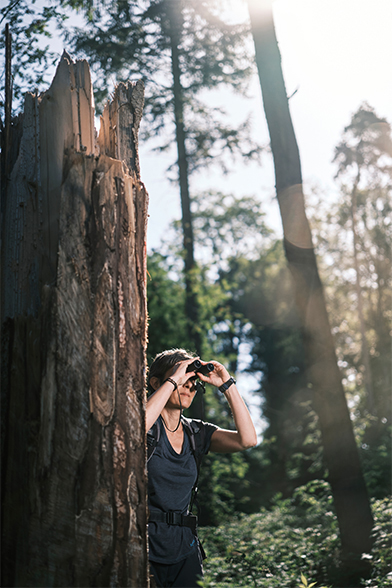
[(166, 296), (305, 583), (261, 294), (292, 544), (166, 308), (220, 477), (220, 222), (31, 24), (382, 544), (375, 449), (273, 548), (247, 298)]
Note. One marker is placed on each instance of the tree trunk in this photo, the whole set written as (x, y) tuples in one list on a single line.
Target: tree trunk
[(74, 506), (192, 307), (341, 455), (174, 13)]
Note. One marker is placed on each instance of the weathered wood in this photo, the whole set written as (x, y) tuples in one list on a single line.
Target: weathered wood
[(120, 124), (73, 342)]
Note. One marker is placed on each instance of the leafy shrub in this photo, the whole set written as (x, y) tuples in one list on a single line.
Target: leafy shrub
[(381, 555), (297, 538)]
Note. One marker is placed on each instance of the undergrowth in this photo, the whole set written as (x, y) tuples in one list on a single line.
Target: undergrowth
[(293, 544)]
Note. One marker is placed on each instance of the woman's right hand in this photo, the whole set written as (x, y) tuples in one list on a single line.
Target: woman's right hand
[(179, 372)]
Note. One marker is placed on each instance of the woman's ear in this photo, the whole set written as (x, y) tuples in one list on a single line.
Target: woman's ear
[(155, 383)]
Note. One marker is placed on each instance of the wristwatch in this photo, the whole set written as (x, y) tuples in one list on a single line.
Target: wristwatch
[(226, 385)]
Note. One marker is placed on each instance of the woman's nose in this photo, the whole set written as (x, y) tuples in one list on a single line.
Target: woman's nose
[(190, 384)]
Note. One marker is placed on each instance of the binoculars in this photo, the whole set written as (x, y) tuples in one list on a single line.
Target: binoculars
[(197, 366)]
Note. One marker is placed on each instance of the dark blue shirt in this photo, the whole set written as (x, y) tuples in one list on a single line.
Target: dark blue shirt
[(171, 477)]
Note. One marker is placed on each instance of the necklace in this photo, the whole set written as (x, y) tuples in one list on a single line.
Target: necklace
[(172, 430), (179, 420)]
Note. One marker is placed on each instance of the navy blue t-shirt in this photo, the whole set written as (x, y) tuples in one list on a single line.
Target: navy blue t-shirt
[(171, 477)]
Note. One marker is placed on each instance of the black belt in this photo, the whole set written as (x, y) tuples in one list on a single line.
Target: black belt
[(174, 518)]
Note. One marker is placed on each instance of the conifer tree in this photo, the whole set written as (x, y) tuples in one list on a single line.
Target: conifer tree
[(364, 158), (180, 48), (31, 26)]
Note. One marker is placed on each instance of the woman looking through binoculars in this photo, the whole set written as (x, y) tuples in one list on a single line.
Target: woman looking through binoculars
[(176, 446)]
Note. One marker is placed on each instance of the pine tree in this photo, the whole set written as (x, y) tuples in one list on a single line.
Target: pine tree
[(181, 48), (30, 24), (364, 158)]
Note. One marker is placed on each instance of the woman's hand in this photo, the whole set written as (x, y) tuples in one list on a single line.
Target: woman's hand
[(179, 372), (217, 377)]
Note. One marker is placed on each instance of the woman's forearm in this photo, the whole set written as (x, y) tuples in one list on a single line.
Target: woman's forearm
[(242, 419), (156, 403)]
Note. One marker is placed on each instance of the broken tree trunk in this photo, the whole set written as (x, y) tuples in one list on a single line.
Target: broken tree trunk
[(340, 451), (73, 342)]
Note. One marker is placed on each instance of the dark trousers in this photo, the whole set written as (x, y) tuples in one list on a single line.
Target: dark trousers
[(183, 574)]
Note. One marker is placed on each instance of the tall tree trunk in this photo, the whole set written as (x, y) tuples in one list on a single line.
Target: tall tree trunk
[(74, 506), (174, 13), (341, 455)]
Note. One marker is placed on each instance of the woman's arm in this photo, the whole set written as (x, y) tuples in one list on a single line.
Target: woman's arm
[(223, 440), (158, 399)]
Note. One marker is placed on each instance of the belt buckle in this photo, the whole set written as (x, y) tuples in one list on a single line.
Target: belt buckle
[(170, 517)]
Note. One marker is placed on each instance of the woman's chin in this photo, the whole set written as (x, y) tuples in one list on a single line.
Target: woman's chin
[(186, 400)]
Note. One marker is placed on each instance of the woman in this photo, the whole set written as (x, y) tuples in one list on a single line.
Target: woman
[(175, 557)]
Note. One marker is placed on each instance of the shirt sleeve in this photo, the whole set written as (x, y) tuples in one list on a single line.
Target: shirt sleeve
[(209, 429)]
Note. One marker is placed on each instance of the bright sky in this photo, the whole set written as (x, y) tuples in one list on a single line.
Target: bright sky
[(338, 54)]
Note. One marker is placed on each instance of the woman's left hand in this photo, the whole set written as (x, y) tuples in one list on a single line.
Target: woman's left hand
[(217, 377), (224, 440)]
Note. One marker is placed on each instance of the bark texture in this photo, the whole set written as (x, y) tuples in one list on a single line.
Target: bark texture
[(341, 455), (73, 342)]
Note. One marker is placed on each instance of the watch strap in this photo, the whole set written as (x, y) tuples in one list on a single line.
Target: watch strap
[(226, 385)]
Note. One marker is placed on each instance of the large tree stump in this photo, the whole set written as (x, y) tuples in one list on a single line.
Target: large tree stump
[(73, 342)]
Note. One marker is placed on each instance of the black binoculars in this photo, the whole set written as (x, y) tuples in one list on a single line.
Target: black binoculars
[(197, 366)]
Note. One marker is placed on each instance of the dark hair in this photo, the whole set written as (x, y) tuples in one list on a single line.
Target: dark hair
[(164, 361)]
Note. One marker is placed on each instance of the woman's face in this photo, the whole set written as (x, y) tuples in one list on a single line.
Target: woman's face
[(187, 393)]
